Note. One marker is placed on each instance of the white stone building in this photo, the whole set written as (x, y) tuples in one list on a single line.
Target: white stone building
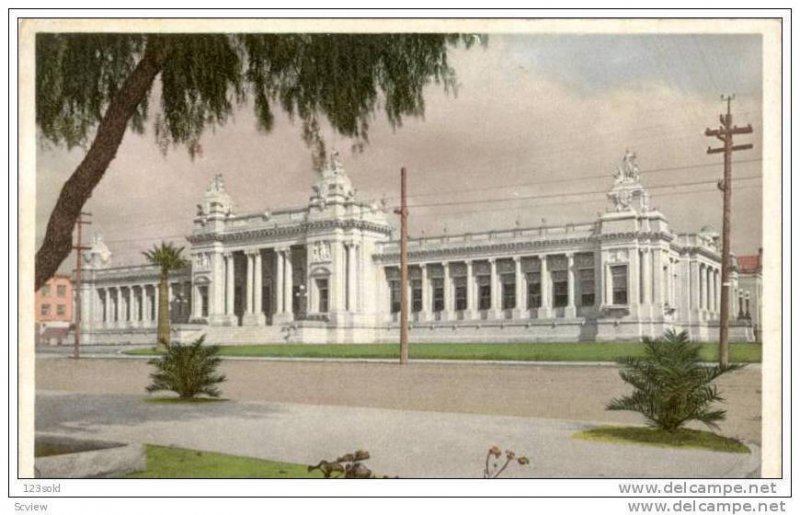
[(328, 272)]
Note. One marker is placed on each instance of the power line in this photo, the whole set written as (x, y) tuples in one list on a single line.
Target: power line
[(601, 197), (576, 201), (554, 195), (572, 179)]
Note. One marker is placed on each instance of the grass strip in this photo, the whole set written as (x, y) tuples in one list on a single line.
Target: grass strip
[(174, 462), (569, 352), (681, 438)]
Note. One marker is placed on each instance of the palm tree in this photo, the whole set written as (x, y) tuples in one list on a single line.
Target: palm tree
[(168, 258), (672, 385)]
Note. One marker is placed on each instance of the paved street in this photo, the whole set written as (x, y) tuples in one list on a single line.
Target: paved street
[(405, 443), (562, 392), (424, 420)]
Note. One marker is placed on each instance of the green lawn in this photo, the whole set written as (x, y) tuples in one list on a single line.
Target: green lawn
[(649, 436), (173, 462), (740, 352)]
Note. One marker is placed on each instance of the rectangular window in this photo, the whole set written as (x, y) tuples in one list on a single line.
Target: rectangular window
[(509, 291), (534, 290), (204, 301), (619, 284), (61, 290), (460, 284), (484, 292), (46, 290), (394, 296), (438, 295), (416, 295), (586, 278), (45, 309), (322, 290), (560, 288), (61, 309)]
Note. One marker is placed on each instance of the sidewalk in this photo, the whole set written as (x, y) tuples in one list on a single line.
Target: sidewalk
[(402, 442)]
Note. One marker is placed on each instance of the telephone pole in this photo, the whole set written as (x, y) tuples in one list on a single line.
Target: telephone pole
[(725, 133), (78, 248), (403, 212)]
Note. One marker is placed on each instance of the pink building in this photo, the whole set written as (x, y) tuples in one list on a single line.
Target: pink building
[(53, 315)]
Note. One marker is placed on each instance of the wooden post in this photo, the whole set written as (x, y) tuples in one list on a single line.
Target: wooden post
[(403, 212), (78, 266), (725, 134)]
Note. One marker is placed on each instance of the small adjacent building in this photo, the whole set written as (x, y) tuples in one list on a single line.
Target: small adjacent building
[(328, 272), (53, 304), (748, 295)]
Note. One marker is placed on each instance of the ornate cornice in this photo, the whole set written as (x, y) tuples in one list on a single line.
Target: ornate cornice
[(134, 274), (480, 248), (702, 251), (490, 248), (292, 230)]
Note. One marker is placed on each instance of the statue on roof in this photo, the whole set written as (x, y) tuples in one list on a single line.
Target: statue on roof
[(628, 192), (97, 255), (215, 200), (627, 170), (336, 163)]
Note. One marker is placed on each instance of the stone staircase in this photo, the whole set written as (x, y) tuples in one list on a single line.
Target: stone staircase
[(247, 335)]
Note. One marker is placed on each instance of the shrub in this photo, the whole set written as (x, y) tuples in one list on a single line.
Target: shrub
[(188, 370), (671, 384), (492, 468)]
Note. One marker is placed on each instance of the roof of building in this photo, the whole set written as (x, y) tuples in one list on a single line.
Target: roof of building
[(749, 264)]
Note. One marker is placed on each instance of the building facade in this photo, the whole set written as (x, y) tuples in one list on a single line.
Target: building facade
[(748, 295), (328, 272), (53, 304)]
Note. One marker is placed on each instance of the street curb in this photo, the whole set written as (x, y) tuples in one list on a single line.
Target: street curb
[(610, 364)]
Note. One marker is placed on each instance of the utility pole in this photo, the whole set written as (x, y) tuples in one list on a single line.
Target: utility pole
[(78, 248), (403, 212), (725, 133)]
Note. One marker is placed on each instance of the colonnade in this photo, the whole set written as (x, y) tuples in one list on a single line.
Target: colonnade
[(135, 305), (501, 275)]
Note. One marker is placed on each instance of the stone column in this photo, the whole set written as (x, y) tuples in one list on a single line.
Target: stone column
[(494, 283), (544, 279), (519, 288), (658, 282), (229, 284), (351, 277), (249, 285), (711, 289), (288, 283), (647, 273), (634, 282), (694, 287), (119, 318), (254, 314), (106, 307), (471, 297), (570, 311), (216, 290), (279, 258), (258, 289), (145, 307), (447, 297), (156, 300), (427, 310), (133, 312), (672, 297), (703, 287)]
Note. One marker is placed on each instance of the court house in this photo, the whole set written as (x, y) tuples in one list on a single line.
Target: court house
[(328, 272)]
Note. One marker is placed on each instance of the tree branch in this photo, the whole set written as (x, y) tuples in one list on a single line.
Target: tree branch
[(76, 191)]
